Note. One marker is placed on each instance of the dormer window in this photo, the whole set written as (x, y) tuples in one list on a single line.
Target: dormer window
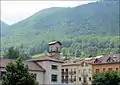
[(82, 64), (110, 60), (86, 64)]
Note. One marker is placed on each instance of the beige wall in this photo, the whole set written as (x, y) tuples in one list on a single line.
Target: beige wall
[(106, 66), (47, 76), (88, 69), (39, 76), (79, 73), (73, 68)]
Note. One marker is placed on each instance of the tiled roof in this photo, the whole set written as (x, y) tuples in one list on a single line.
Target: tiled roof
[(4, 62), (90, 61), (73, 62), (33, 66), (107, 59), (46, 58)]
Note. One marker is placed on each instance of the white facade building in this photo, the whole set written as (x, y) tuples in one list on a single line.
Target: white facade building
[(46, 68)]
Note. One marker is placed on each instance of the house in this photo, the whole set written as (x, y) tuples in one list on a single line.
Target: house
[(106, 63), (46, 68), (78, 72), (33, 68)]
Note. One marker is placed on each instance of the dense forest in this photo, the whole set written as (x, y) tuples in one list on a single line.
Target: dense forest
[(86, 30)]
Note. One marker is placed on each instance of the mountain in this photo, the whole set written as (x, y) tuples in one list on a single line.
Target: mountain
[(3, 28), (59, 23)]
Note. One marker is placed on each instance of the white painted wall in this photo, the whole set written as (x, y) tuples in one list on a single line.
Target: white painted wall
[(47, 77)]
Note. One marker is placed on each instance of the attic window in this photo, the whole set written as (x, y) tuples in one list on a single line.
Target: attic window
[(110, 60)]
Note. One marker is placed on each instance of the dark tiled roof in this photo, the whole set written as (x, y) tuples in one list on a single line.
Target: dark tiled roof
[(54, 42), (90, 61), (107, 59), (73, 62), (4, 62), (46, 58), (33, 66)]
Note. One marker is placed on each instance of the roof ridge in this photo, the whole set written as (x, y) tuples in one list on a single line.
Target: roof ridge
[(39, 65)]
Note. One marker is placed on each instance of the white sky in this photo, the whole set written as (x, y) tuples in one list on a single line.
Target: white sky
[(14, 11)]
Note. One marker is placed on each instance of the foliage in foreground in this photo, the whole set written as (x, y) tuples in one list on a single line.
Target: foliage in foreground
[(107, 78), (17, 74)]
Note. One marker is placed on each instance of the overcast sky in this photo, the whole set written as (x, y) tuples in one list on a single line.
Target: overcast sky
[(14, 11)]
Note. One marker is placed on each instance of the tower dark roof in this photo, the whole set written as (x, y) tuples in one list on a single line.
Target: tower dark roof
[(54, 42)]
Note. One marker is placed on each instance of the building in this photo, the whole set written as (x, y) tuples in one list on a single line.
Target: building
[(106, 63), (78, 72), (46, 68), (85, 72), (33, 68), (69, 72)]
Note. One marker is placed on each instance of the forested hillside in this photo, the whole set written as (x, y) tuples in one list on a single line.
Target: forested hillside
[(90, 29), (3, 28)]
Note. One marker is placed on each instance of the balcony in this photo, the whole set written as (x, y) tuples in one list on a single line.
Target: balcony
[(66, 80), (74, 79), (72, 72), (71, 80)]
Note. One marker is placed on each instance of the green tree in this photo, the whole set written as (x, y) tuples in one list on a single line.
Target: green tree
[(107, 78), (12, 53), (17, 74)]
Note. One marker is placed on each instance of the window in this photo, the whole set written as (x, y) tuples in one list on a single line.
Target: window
[(50, 49), (86, 64), (62, 71), (66, 79), (82, 64), (109, 69), (62, 79), (116, 69), (54, 78), (103, 69), (74, 78), (71, 71), (90, 71), (79, 78), (74, 70), (66, 71), (89, 78), (97, 70), (54, 66), (71, 79), (84, 79), (85, 72)]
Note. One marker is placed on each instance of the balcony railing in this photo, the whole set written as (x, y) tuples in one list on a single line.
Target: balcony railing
[(71, 80), (72, 72)]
